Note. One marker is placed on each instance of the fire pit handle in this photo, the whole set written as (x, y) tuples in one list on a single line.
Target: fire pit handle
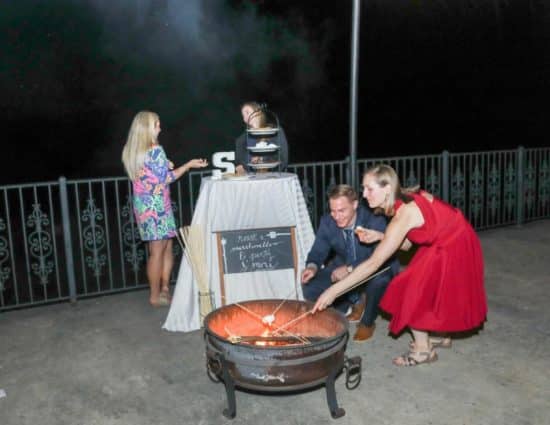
[(214, 368), (352, 367)]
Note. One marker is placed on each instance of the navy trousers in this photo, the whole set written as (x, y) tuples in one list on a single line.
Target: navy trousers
[(375, 290)]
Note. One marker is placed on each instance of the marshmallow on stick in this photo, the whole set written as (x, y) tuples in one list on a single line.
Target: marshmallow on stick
[(359, 229)]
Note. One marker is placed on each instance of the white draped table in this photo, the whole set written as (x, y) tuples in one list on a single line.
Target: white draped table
[(262, 201)]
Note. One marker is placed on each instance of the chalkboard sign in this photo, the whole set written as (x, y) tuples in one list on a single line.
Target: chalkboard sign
[(252, 250)]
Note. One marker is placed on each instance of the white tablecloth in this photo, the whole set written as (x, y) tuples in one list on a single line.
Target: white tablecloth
[(273, 200)]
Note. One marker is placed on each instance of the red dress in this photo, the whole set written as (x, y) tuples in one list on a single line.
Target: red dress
[(442, 287)]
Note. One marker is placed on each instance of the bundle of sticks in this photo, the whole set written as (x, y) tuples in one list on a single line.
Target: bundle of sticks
[(193, 239)]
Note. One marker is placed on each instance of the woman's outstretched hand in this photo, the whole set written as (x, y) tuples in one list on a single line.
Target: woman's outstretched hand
[(368, 236), (324, 300), (197, 163), (194, 163)]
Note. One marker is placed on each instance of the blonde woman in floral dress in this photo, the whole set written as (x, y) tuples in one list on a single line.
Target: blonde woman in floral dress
[(151, 173)]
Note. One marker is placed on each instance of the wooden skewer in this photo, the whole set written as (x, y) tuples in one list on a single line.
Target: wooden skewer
[(178, 237), (291, 322), (194, 251), (257, 316), (282, 302), (372, 276), (341, 293), (254, 314), (246, 338)]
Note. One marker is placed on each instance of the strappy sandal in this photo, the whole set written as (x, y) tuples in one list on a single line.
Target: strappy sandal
[(440, 342), (407, 359), (164, 296), (436, 342), (161, 302)]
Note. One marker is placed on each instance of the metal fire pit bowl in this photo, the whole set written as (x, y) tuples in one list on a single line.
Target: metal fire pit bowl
[(244, 351)]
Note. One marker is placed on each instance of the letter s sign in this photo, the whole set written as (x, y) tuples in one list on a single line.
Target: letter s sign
[(226, 166)]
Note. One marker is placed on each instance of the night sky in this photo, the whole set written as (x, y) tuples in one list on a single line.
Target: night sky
[(447, 74)]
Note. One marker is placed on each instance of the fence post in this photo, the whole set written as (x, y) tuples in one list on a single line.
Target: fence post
[(519, 193), (67, 239), (445, 171)]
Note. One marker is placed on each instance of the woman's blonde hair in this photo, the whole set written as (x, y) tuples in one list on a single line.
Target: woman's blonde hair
[(385, 175), (140, 139)]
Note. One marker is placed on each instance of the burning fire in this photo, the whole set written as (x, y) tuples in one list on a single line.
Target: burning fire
[(271, 324), (264, 343)]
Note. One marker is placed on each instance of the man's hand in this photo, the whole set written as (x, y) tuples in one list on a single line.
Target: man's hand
[(339, 273), (308, 274), (368, 235)]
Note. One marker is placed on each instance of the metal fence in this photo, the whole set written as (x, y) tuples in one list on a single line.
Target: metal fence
[(64, 240)]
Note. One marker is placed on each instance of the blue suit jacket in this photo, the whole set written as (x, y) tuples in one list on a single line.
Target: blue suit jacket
[(329, 241)]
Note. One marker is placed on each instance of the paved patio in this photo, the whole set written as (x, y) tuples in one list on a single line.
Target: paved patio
[(106, 361)]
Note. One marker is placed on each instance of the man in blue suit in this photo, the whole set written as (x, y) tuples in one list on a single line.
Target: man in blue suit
[(337, 250)]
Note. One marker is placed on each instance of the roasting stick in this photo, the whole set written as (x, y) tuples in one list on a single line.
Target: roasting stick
[(180, 240), (301, 338), (291, 322), (257, 316), (194, 251), (339, 294), (385, 269), (234, 338), (284, 301), (270, 318)]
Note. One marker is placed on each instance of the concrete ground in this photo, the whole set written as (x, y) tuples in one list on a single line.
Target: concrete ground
[(106, 361)]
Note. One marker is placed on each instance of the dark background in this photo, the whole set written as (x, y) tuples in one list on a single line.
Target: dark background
[(448, 74)]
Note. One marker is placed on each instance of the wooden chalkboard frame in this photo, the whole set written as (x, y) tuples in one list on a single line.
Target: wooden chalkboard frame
[(292, 230)]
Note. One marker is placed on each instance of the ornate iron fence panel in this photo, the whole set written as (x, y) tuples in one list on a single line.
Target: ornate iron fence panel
[(536, 184), (484, 187), (316, 180), (424, 170), (109, 255), (32, 259), (66, 240)]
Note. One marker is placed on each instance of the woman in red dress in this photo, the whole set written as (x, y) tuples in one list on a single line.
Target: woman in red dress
[(442, 289)]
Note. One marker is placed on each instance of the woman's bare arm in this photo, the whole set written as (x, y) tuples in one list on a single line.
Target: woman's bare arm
[(194, 163), (406, 245)]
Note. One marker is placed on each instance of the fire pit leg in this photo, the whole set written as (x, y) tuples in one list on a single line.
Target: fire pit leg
[(335, 411), (229, 383)]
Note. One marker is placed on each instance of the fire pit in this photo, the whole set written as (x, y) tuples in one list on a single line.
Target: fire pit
[(276, 346)]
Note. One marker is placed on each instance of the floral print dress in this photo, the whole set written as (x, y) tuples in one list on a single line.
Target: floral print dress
[(151, 200)]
